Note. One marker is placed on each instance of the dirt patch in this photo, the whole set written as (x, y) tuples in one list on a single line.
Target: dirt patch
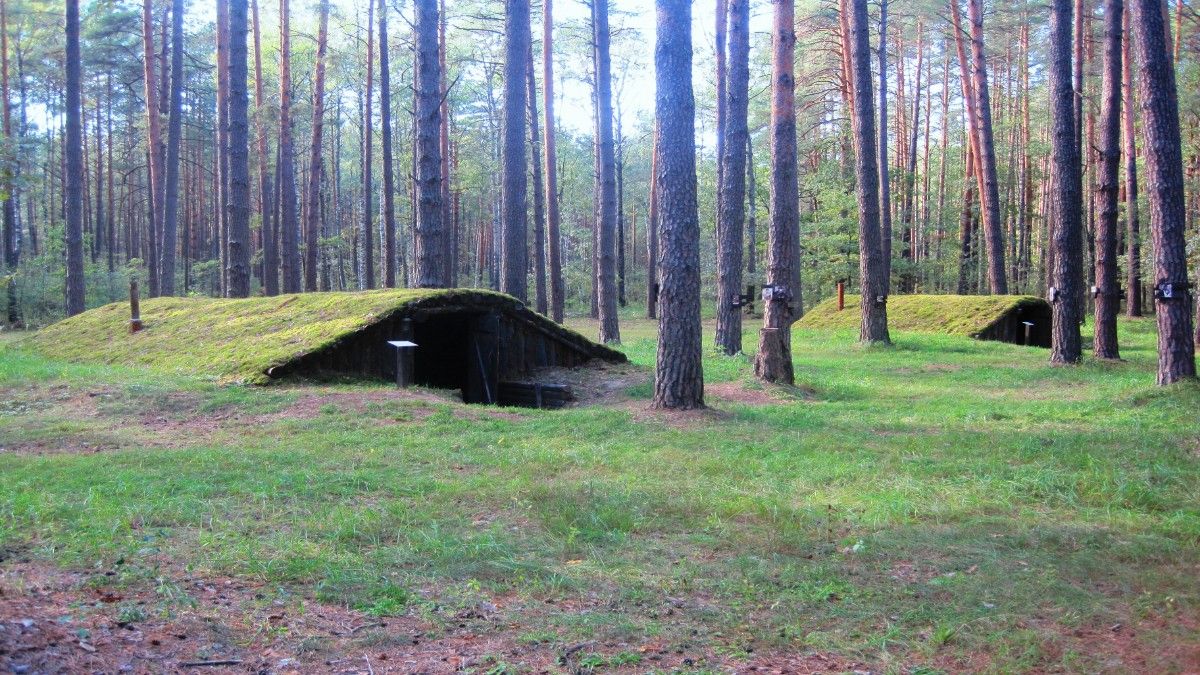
[(597, 383), (58, 621), (738, 392)]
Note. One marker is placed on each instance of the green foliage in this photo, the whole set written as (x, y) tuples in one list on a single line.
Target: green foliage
[(965, 315)]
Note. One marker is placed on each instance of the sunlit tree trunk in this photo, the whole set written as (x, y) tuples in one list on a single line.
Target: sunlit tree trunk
[(872, 284), (1133, 244), (884, 210), (1066, 233), (514, 239), (773, 362), (733, 186), (431, 247), (993, 228), (312, 210), (557, 291), (270, 247), (239, 155), (678, 372), (366, 234), (1165, 187), (606, 212), (154, 138), (539, 212), (73, 177), (390, 257), (288, 226), (1108, 295)]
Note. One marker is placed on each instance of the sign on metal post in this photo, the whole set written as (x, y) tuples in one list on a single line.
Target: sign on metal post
[(404, 361)]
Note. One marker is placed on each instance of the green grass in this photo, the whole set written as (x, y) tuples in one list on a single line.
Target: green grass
[(943, 503), (965, 315), (237, 340)]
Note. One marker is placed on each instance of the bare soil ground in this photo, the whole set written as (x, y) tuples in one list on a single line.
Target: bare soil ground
[(57, 621)]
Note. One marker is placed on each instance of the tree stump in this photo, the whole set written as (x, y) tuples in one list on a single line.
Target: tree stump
[(774, 360)]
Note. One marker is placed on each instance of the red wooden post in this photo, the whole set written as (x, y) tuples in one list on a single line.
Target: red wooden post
[(841, 295)]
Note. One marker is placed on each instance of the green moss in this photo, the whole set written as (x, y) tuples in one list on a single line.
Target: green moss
[(966, 315), (237, 340)]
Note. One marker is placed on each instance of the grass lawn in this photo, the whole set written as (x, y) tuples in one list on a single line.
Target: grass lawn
[(942, 505)]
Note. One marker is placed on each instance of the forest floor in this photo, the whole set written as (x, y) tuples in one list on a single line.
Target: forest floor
[(941, 505)]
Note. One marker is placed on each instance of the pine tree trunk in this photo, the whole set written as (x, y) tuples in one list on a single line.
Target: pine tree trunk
[(73, 177), (239, 155), (1165, 187), (652, 234), (751, 211), (539, 213), (449, 216), (1066, 234), (390, 257), (871, 267), (513, 240), (773, 362), (12, 235), (366, 235), (270, 246), (430, 243), (678, 373), (288, 224), (992, 226), (1108, 294), (312, 210), (721, 54), (908, 206), (1133, 244), (885, 182), (174, 140), (733, 186), (557, 291), (606, 221), (154, 138)]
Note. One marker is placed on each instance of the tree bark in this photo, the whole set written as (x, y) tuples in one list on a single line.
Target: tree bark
[(652, 230), (993, 228), (239, 155), (12, 234), (908, 207), (73, 177), (154, 138), (1108, 295), (733, 186), (751, 211), (774, 360), (871, 267), (678, 372), (288, 225), (1165, 187), (1066, 235), (539, 213), (174, 140), (431, 247), (606, 212), (312, 210), (1133, 244), (449, 217), (366, 235), (514, 239), (270, 248), (557, 291), (390, 257), (883, 172)]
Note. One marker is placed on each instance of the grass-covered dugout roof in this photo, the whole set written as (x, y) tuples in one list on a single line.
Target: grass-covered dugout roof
[(966, 315), (240, 340)]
